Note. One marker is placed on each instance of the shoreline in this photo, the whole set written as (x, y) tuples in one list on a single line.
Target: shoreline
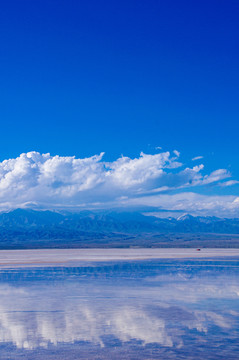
[(70, 257)]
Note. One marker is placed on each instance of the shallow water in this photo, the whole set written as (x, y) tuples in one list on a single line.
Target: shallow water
[(150, 309)]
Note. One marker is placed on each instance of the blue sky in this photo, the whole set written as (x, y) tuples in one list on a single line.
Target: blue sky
[(80, 78)]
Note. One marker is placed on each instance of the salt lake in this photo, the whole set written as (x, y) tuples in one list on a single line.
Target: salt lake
[(119, 304)]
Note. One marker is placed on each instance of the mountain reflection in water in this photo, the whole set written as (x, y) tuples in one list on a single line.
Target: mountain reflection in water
[(125, 310)]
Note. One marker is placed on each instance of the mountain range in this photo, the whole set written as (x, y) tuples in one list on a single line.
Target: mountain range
[(25, 228)]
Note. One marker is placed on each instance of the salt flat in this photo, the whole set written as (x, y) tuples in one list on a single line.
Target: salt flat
[(71, 256)]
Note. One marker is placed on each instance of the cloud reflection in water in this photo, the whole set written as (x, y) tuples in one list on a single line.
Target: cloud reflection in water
[(163, 309)]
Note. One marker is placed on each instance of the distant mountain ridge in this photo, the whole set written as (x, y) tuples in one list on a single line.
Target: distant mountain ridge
[(55, 229), (114, 221)]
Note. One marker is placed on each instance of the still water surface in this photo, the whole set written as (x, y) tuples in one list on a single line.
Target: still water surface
[(150, 309)]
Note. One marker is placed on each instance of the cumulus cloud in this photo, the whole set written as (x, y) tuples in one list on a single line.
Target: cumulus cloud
[(57, 181)]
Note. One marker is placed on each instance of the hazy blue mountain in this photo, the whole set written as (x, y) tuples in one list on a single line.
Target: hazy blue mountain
[(22, 227), (29, 218), (113, 221)]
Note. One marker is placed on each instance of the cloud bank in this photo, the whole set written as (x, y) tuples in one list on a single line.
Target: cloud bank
[(42, 180)]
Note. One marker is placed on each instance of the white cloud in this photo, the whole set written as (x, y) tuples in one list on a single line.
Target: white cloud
[(193, 203), (229, 183), (216, 175), (35, 179), (197, 158)]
